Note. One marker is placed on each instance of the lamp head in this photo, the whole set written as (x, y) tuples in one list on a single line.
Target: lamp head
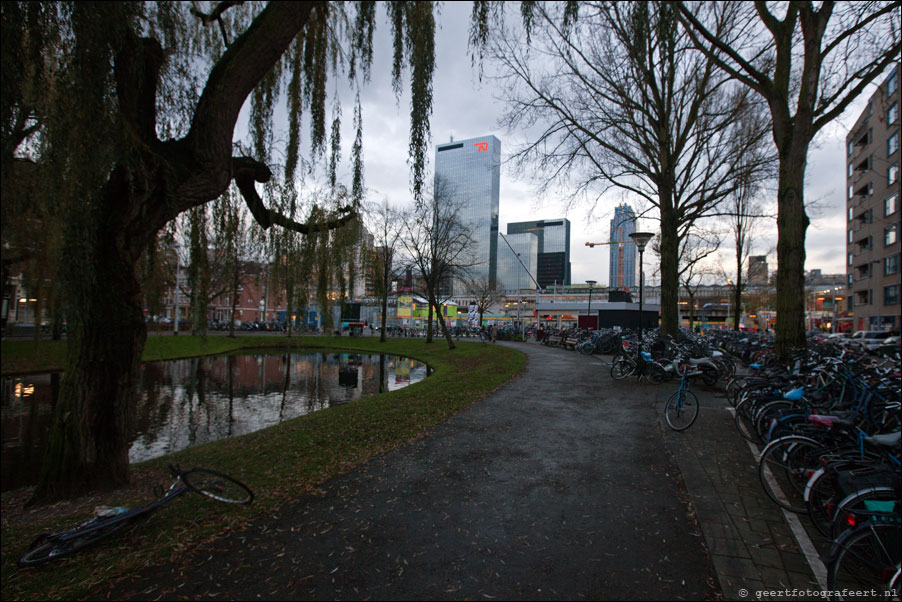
[(591, 283), (641, 239)]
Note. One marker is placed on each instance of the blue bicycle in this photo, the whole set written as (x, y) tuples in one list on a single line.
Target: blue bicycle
[(681, 409)]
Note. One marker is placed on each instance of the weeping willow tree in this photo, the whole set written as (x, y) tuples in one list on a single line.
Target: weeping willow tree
[(136, 124)]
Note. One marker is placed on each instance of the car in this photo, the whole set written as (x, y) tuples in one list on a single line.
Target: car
[(868, 339), (889, 344)]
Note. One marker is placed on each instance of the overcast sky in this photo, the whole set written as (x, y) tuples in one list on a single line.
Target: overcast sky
[(465, 108)]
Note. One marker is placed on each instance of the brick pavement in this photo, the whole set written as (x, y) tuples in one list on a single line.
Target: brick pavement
[(750, 542)]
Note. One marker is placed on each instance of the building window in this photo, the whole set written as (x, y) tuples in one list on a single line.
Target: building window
[(891, 265), (851, 258), (851, 234), (892, 114), (891, 295), (849, 282), (851, 209), (851, 170), (889, 235), (892, 82), (852, 144), (892, 144), (890, 205), (851, 192), (892, 174)]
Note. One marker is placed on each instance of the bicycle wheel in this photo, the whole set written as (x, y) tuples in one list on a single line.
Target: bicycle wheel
[(621, 368), (709, 374), (744, 421), (866, 558), (218, 486), (768, 412), (54, 546), (863, 500), (822, 498), (681, 410), (655, 373), (784, 468)]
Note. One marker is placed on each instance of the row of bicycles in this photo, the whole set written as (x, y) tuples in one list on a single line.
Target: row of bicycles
[(829, 424)]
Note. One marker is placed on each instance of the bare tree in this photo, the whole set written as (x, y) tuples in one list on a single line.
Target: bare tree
[(697, 246), (483, 294), (808, 62), (744, 216), (622, 100), (439, 244), (386, 226)]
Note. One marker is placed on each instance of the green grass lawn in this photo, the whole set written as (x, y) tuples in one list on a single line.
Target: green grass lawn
[(278, 463)]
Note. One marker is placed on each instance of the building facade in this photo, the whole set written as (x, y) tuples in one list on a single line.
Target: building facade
[(757, 270), (622, 270), (872, 216), (517, 260), (553, 257), (468, 172)]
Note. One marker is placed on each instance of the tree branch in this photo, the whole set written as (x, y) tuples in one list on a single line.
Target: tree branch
[(247, 171)]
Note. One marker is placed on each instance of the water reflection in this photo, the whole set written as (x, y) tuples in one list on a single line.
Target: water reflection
[(187, 402)]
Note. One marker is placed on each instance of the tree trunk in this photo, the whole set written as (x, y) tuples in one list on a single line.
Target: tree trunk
[(691, 309), (384, 316), (89, 441), (441, 321), (792, 224), (38, 311), (737, 292), (235, 284), (670, 279), (429, 321)]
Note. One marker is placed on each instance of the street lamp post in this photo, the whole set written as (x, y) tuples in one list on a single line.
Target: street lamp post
[(591, 283), (641, 239), (519, 322)]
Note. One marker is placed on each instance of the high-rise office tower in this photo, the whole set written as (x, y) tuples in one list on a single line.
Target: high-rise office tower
[(468, 172), (553, 259), (622, 271), (517, 258), (757, 270), (872, 219)]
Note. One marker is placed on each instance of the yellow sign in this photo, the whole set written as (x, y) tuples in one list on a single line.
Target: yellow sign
[(405, 307)]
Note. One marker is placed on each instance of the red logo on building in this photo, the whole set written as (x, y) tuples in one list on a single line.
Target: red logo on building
[(481, 146)]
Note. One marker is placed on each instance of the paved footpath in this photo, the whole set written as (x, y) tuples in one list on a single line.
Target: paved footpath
[(561, 485)]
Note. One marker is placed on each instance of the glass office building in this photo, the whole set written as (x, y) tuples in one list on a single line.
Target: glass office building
[(470, 173), (553, 259), (512, 274), (622, 270)]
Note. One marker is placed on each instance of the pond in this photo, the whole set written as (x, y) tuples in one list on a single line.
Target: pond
[(188, 402)]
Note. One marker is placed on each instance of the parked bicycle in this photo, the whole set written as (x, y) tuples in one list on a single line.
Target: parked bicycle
[(681, 408), (215, 485)]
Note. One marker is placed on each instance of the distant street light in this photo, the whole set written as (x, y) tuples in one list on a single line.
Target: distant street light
[(641, 239), (591, 283)]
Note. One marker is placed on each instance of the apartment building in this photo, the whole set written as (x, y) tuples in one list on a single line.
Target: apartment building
[(872, 242)]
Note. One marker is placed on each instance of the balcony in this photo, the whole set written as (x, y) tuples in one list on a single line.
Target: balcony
[(862, 138), (864, 190)]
